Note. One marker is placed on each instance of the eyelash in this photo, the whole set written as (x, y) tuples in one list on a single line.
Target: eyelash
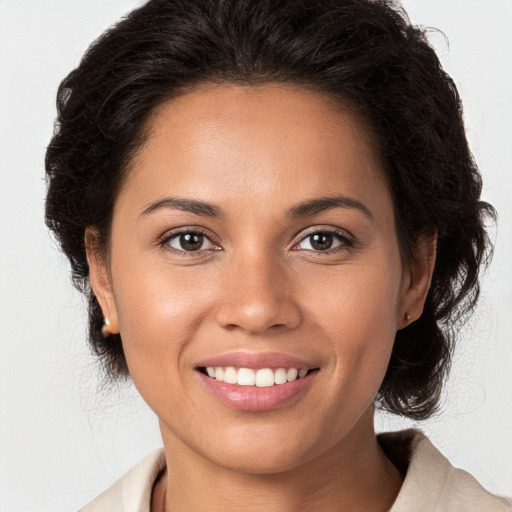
[(346, 241), (168, 237)]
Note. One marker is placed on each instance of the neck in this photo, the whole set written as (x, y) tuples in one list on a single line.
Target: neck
[(354, 475)]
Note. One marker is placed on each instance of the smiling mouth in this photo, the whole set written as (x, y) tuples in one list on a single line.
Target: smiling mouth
[(261, 378)]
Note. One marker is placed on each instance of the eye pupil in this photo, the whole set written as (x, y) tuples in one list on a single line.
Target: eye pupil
[(191, 241), (321, 241)]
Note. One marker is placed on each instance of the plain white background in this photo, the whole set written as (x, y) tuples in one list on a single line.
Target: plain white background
[(63, 436)]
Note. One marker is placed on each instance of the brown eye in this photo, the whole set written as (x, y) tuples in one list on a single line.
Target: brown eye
[(190, 241), (323, 241)]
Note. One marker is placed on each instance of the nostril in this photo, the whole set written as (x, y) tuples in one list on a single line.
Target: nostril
[(257, 318)]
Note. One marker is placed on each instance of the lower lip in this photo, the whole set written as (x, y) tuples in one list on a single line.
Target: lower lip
[(255, 399)]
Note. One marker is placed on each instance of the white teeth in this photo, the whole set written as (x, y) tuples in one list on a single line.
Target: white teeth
[(219, 373), (246, 377), (230, 375), (280, 376), (291, 374), (264, 377)]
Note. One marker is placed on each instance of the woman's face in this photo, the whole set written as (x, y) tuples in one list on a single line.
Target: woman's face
[(256, 231)]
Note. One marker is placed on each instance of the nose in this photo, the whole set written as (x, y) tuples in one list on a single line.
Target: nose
[(257, 296)]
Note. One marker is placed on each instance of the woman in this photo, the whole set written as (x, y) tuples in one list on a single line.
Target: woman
[(274, 212)]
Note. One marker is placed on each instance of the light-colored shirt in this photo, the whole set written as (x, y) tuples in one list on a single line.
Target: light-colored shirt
[(431, 483)]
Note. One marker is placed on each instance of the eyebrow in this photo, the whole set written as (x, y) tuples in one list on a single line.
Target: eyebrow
[(187, 205), (310, 207), (321, 204)]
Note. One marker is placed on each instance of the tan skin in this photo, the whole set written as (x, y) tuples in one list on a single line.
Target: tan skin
[(257, 281)]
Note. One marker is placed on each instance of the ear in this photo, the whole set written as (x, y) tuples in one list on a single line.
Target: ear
[(100, 280), (416, 280)]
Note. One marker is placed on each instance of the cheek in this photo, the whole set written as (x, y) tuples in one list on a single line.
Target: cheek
[(158, 313), (359, 298), (357, 314)]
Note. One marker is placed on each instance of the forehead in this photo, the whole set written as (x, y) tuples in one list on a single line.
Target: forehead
[(264, 140)]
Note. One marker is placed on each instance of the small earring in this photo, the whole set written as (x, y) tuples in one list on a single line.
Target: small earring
[(407, 317), (105, 328)]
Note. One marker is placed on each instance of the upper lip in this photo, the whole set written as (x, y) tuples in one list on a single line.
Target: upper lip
[(256, 360)]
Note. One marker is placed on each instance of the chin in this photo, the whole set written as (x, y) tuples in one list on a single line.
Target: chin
[(268, 449), (260, 461)]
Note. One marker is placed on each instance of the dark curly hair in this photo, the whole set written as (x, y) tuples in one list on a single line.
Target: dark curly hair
[(365, 54)]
